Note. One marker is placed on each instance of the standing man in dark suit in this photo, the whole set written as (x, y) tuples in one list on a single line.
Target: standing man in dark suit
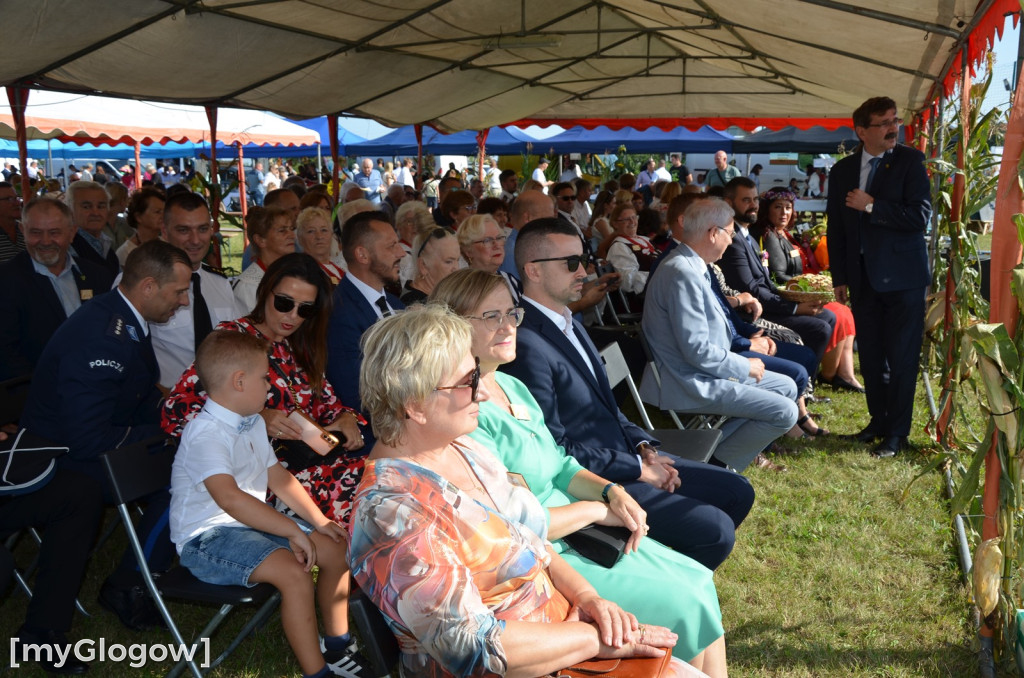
[(373, 254), (88, 202), (878, 207), (42, 286), (691, 507), (94, 389)]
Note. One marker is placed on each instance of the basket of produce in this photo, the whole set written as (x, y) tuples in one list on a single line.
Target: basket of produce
[(808, 287)]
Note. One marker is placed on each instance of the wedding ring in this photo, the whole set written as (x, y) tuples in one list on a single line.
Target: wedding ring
[(643, 630)]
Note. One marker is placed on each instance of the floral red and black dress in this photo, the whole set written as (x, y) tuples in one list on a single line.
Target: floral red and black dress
[(331, 479)]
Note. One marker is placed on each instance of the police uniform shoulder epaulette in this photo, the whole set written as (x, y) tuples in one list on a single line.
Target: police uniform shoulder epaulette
[(117, 327), (214, 270)]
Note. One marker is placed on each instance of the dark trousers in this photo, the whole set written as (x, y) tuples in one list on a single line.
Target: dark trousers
[(814, 330), (794, 366), (154, 528), (889, 330), (700, 518), (68, 510)]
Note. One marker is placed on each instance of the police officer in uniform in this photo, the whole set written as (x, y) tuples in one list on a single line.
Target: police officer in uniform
[(42, 286), (187, 226), (94, 389)]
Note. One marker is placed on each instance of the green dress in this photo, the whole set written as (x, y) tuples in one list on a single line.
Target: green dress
[(657, 584)]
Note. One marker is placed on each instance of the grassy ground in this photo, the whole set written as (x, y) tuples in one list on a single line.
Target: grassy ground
[(834, 574)]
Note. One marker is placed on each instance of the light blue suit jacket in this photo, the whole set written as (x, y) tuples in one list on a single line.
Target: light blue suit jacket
[(689, 336)]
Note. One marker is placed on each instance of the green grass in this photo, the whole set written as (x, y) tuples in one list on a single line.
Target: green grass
[(834, 573)]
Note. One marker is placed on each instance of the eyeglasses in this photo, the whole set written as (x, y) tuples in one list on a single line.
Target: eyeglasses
[(627, 219), (892, 122), (567, 197), (285, 304), (473, 385), (572, 262), (436, 234), (487, 242), (731, 234), (11, 198), (469, 208), (493, 320)]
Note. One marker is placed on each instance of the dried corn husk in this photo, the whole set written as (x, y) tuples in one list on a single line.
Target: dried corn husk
[(988, 571), (936, 310)]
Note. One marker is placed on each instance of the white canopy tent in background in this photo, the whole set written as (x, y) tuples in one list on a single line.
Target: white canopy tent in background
[(472, 64)]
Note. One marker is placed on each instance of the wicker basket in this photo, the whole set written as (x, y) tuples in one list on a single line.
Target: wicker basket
[(798, 297)]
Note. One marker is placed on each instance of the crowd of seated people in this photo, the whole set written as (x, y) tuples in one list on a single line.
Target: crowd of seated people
[(447, 351)]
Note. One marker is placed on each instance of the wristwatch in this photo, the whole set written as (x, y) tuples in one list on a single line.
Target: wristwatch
[(606, 490), (870, 206)]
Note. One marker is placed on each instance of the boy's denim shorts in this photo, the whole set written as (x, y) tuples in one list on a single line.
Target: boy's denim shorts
[(227, 555)]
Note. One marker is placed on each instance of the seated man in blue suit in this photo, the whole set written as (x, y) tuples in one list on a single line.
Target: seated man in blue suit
[(373, 253), (42, 286), (694, 508), (691, 339)]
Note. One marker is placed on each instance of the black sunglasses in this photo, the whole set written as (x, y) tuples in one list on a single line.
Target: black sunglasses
[(436, 234), (473, 385), (572, 262), (285, 304)]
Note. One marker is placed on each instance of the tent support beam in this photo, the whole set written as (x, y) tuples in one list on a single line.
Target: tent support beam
[(925, 26), (332, 130)]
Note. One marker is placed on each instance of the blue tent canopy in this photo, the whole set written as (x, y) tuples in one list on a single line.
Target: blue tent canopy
[(653, 140), (792, 140), (402, 141), (40, 149), (319, 125)]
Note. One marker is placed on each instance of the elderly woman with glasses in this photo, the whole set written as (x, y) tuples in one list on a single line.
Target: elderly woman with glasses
[(437, 256), (458, 206), (631, 254), (656, 583), (448, 544), (483, 247)]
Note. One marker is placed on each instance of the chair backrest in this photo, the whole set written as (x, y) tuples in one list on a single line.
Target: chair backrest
[(141, 468), (618, 371)]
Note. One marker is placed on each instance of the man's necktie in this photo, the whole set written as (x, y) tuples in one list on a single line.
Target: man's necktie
[(382, 304), (201, 322), (874, 162)]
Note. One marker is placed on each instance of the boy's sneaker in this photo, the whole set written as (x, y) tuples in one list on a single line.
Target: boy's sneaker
[(348, 663)]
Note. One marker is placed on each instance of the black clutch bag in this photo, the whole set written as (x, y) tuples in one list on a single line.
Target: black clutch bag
[(600, 543)]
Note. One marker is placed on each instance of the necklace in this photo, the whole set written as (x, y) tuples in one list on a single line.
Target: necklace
[(473, 480)]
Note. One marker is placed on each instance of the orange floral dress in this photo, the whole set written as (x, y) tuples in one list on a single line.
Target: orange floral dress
[(448, 571)]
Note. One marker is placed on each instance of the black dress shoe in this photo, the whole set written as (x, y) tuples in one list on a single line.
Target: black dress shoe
[(132, 605), (841, 384), (865, 435), (50, 661), (889, 446)]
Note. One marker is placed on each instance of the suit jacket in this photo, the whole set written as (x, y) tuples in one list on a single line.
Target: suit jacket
[(744, 271), (892, 236), (689, 335), (85, 252), (94, 387), (579, 408), (32, 311), (351, 315)]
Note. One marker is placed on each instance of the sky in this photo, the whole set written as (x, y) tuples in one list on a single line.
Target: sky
[(1005, 54)]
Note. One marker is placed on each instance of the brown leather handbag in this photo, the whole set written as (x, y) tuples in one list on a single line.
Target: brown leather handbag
[(634, 667)]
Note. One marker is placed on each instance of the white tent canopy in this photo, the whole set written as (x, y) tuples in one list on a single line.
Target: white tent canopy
[(471, 64), (55, 114)]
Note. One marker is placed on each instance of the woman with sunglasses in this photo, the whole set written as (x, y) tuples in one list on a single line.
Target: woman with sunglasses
[(437, 256), (444, 541), (654, 582), (272, 233), (630, 254), (291, 313)]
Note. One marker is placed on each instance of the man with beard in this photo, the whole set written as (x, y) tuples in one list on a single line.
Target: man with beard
[(373, 254), (744, 270), (878, 208), (42, 286)]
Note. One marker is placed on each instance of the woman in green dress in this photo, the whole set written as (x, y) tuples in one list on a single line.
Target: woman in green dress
[(651, 580)]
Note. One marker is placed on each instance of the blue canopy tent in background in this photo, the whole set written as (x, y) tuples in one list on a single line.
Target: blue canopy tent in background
[(42, 149), (653, 140), (402, 141)]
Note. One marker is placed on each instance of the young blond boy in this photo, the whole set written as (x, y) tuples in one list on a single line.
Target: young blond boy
[(224, 530)]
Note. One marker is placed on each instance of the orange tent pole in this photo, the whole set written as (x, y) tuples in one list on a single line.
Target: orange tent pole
[(138, 166), (332, 130), (417, 180), (241, 182), (211, 115), (18, 96)]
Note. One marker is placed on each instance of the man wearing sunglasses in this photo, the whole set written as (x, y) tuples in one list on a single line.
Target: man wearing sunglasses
[(693, 508), (879, 204), (187, 225)]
